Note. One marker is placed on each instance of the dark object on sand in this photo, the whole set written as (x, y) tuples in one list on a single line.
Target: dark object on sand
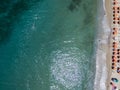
[(114, 79)]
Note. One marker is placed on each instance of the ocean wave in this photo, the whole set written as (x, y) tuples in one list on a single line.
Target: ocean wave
[(65, 68)]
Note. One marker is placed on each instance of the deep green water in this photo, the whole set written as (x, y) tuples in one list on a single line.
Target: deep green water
[(47, 44)]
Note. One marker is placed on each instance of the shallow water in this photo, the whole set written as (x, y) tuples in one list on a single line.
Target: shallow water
[(47, 45)]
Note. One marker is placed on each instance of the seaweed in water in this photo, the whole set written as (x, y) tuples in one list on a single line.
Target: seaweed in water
[(9, 12), (77, 2), (90, 17), (73, 5)]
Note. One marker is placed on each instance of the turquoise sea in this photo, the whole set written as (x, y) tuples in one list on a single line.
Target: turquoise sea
[(47, 44)]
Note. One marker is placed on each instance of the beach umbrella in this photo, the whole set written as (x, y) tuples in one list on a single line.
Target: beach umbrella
[(114, 80)]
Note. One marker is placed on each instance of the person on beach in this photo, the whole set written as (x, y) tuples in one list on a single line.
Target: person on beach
[(114, 68), (115, 15), (114, 57), (116, 8), (115, 53), (114, 61), (114, 65), (114, 28)]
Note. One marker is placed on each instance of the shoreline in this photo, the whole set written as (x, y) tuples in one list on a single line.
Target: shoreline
[(102, 76)]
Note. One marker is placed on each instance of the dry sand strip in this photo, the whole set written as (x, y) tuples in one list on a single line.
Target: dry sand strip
[(108, 7), (114, 22)]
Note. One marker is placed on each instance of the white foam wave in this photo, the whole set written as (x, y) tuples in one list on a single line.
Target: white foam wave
[(65, 69)]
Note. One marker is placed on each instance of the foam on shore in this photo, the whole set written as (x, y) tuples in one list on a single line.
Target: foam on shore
[(102, 43)]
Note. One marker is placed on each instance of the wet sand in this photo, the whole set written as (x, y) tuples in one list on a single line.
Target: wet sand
[(108, 8), (103, 48)]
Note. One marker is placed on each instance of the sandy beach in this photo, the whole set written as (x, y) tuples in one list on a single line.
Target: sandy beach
[(111, 73)]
